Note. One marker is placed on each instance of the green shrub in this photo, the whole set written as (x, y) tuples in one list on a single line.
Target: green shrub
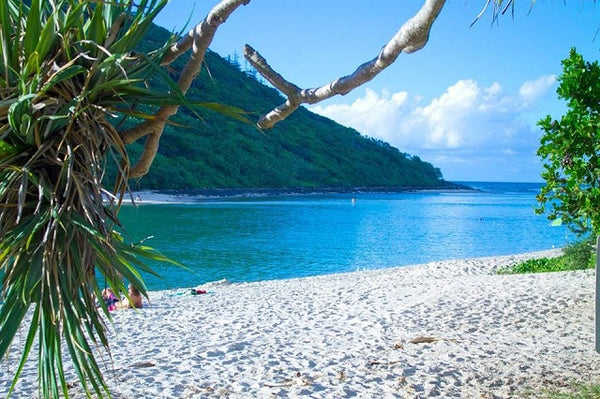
[(579, 392), (580, 255), (541, 265), (577, 256)]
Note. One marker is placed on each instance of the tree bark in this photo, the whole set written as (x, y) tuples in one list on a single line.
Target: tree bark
[(198, 39), (412, 36)]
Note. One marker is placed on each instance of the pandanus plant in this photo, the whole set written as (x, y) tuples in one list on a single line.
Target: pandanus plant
[(68, 73)]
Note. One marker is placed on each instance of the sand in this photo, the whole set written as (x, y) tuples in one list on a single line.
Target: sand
[(448, 329)]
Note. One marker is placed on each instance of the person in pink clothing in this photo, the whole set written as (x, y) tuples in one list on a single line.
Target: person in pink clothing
[(110, 299)]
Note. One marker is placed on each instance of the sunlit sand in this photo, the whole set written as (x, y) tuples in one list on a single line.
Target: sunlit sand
[(448, 329)]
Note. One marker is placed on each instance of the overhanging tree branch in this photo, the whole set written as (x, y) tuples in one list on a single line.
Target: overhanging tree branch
[(412, 36), (198, 39)]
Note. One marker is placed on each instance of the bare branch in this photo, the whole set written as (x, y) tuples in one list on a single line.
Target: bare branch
[(412, 36), (219, 14), (261, 65), (198, 39)]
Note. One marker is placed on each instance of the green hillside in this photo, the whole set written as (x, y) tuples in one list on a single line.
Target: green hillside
[(306, 150)]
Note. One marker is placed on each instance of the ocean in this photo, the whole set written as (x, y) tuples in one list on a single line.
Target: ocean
[(267, 237)]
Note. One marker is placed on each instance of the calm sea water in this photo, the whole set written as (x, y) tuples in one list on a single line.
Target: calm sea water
[(294, 236)]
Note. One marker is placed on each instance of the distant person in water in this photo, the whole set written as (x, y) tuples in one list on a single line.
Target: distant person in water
[(134, 301)]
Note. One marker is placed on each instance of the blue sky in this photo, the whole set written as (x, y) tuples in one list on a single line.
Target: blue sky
[(468, 102)]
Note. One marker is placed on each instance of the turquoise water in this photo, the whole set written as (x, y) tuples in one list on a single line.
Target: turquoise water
[(280, 237)]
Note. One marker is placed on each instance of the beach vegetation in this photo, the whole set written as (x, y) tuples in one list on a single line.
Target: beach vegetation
[(581, 254), (577, 256), (580, 392), (576, 391), (570, 150), (66, 68)]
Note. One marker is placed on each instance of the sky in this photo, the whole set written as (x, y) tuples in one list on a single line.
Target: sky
[(468, 102)]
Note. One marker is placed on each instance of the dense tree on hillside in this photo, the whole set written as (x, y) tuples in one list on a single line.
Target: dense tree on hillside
[(412, 36), (307, 151)]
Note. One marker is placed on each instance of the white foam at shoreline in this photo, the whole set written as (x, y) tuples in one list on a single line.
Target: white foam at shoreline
[(449, 329)]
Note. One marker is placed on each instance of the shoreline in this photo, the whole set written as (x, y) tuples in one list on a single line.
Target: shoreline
[(224, 194), (448, 329)]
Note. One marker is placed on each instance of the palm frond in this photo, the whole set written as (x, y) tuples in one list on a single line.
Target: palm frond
[(67, 67), (64, 66)]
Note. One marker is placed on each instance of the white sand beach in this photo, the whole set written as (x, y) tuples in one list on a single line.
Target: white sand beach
[(448, 329)]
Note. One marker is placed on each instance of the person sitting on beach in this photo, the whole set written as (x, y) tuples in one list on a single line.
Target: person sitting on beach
[(110, 299), (134, 301)]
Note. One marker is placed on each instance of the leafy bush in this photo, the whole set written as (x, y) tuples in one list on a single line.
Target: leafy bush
[(577, 256), (569, 149), (534, 266), (579, 392), (580, 255)]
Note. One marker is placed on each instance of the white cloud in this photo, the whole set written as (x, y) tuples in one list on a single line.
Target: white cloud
[(369, 114), (466, 125), (532, 90)]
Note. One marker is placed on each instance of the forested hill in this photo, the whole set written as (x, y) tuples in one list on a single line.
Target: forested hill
[(306, 150)]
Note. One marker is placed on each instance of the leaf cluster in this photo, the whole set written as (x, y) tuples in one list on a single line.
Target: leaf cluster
[(570, 149), (65, 65), (577, 256)]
